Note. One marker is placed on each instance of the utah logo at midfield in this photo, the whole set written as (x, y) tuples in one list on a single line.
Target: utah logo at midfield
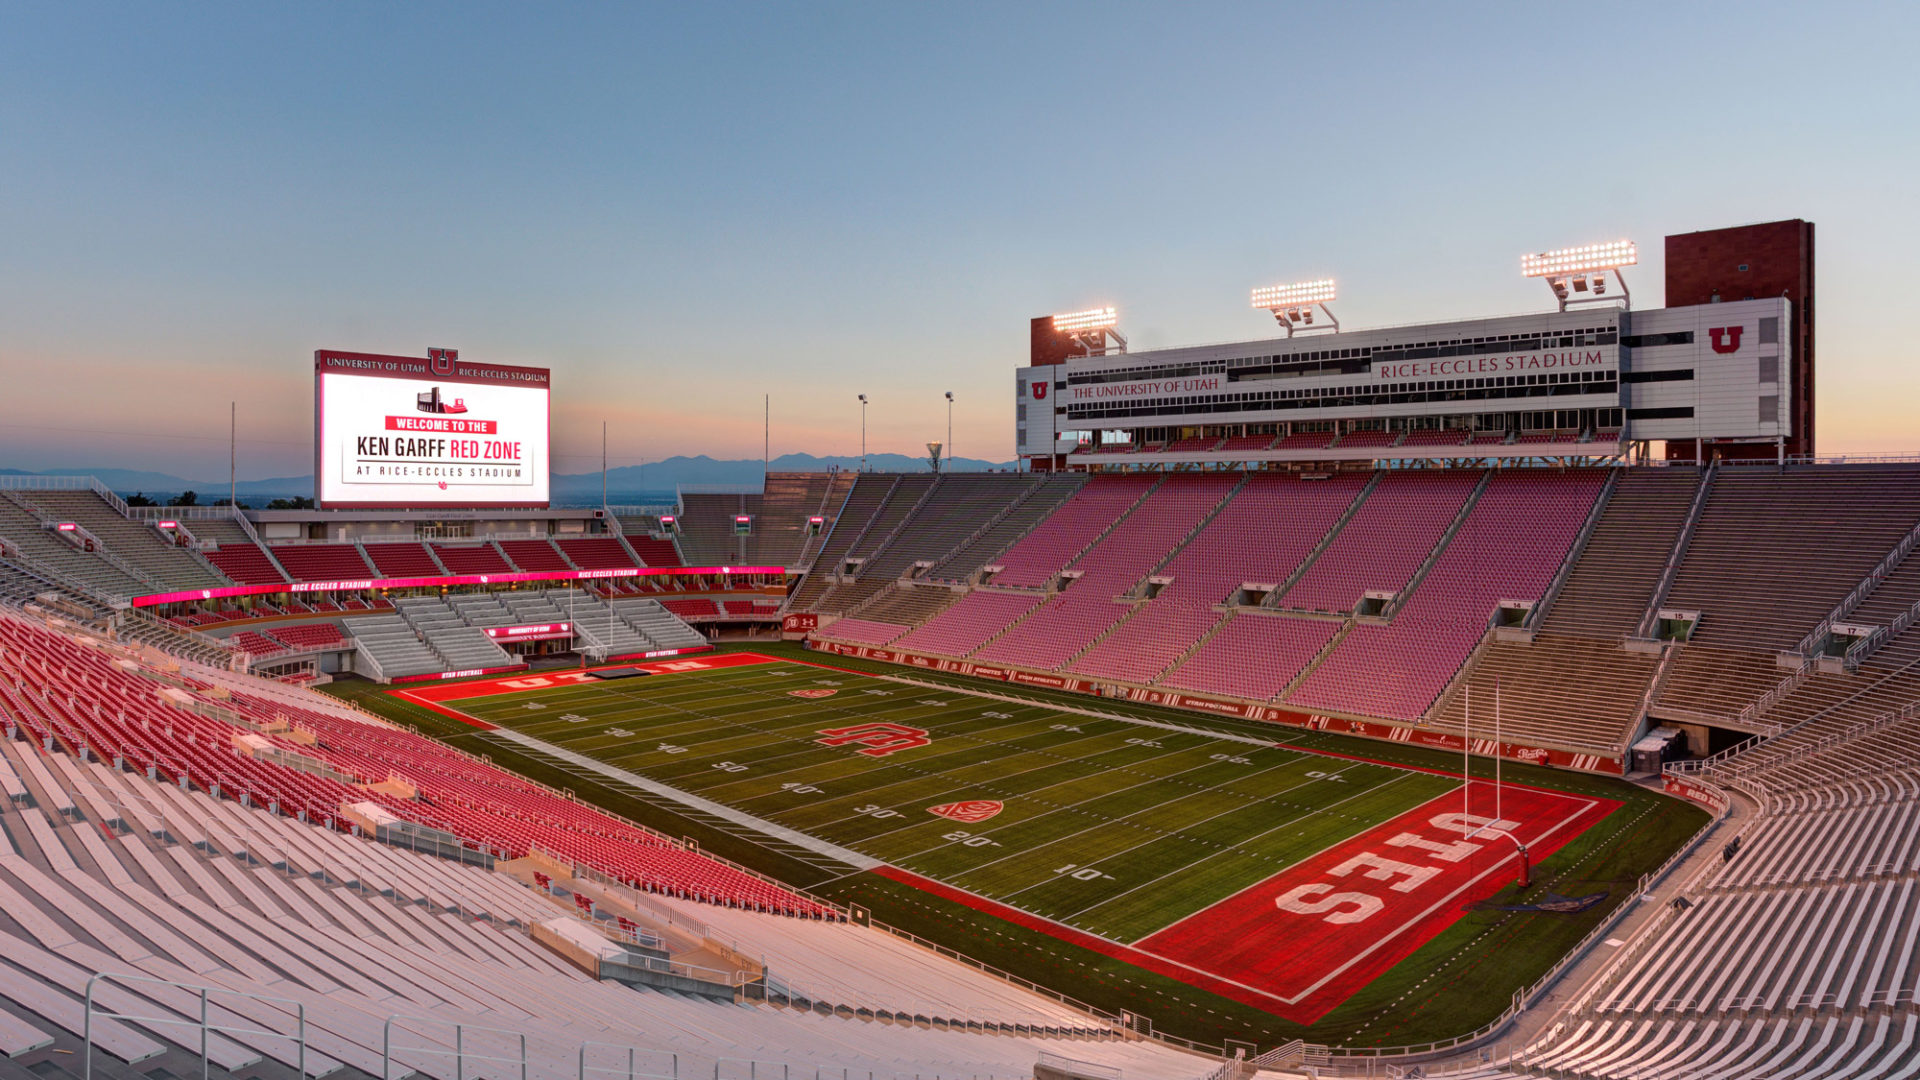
[(812, 692), (969, 811), (880, 739)]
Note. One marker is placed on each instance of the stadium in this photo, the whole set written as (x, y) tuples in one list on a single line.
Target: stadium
[(1517, 696)]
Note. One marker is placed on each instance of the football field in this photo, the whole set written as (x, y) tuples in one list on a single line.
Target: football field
[(1202, 853)]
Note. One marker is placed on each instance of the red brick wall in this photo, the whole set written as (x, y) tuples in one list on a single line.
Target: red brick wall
[(1050, 346), (1778, 257)]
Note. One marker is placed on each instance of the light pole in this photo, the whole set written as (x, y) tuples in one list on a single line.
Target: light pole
[(863, 433), (949, 427)]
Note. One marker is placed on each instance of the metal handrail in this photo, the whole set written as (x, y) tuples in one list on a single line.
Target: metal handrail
[(206, 1028), (458, 1053)]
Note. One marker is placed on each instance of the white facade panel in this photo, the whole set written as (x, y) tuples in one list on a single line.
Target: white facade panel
[(1738, 357), (1715, 370)]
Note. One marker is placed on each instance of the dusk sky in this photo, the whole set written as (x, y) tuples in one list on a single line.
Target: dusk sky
[(681, 208)]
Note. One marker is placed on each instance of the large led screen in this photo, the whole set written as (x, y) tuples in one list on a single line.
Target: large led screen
[(418, 433)]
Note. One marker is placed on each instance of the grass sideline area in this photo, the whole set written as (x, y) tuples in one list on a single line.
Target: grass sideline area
[(1135, 871)]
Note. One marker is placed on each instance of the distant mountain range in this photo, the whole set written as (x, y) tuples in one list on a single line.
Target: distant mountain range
[(653, 482)]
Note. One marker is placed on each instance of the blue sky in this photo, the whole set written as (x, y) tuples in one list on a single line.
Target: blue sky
[(680, 208)]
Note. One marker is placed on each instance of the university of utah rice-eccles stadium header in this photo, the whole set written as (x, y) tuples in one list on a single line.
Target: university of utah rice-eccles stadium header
[(406, 432)]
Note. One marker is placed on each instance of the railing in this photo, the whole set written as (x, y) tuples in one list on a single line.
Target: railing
[(1859, 651), (1676, 556), (1867, 584), (1706, 763), (631, 1070), (1077, 1067), (1751, 712), (206, 1028), (1839, 459), (1824, 742), (459, 1053), (1538, 615), (1326, 540), (49, 574), (100, 550), (1393, 606)]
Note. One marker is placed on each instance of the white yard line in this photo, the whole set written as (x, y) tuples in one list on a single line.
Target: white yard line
[(1063, 708), (728, 813)]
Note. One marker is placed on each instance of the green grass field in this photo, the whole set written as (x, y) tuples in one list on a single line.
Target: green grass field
[(1109, 827), (1155, 823)]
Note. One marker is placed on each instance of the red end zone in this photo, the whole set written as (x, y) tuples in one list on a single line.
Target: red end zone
[(1308, 937), (1351, 911), (429, 697)]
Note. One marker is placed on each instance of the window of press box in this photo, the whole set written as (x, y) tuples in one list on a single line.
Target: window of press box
[(1650, 341)]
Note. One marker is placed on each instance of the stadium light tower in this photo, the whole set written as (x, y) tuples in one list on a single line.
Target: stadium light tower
[(863, 433), (1583, 270), (1092, 330), (1292, 305), (949, 425)]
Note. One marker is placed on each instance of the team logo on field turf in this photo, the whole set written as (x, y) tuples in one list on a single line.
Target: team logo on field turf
[(880, 739), (969, 811), (817, 692)]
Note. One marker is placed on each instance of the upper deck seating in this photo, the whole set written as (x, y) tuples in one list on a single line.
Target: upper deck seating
[(982, 548), (1436, 437), (1573, 685), (1361, 439), (956, 507), (1194, 444), (323, 562), (534, 555), (1144, 538), (136, 542), (1532, 517), (472, 558), (90, 570), (403, 560), (1306, 440), (1238, 443), (597, 553), (1389, 537), (787, 501), (1260, 537), (246, 563), (869, 493), (707, 535), (654, 552), (1057, 541), (1762, 578)]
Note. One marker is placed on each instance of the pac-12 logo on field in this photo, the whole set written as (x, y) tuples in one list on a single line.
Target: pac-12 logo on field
[(880, 739), (815, 692), (969, 811)]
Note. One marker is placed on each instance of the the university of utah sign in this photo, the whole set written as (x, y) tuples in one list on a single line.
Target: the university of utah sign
[(880, 738), (1725, 339)]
